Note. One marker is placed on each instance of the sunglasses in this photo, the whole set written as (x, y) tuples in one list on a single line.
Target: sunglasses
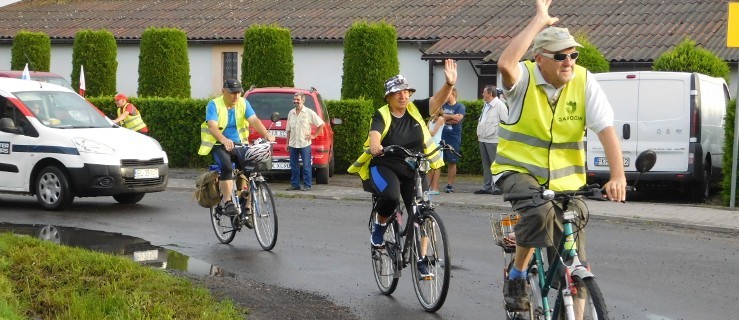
[(561, 56)]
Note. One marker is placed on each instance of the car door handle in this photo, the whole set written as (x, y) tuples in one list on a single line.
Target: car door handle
[(627, 131)]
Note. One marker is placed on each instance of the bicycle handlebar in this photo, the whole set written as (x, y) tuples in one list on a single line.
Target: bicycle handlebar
[(542, 195), (394, 149)]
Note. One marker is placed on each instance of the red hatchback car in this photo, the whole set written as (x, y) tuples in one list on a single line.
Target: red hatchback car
[(266, 101)]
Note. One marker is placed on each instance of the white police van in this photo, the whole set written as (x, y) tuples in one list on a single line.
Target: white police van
[(679, 115), (56, 145)]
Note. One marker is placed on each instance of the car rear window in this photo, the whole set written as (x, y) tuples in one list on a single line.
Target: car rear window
[(266, 103)]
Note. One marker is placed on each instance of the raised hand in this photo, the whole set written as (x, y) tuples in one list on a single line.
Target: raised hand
[(450, 71), (542, 12)]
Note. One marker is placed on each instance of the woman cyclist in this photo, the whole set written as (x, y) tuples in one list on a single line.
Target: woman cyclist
[(400, 122)]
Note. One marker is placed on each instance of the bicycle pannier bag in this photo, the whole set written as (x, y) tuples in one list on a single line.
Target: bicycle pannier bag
[(206, 189)]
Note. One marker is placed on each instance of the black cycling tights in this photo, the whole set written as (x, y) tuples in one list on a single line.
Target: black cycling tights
[(387, 185), (223, 160)]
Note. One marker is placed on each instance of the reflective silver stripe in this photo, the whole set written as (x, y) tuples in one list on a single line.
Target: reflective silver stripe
[(241, 130), (567, 171), (207, 144), (569, 145), (434, 156), (536, 142), (535, 170), (360, 164), (542, 172), (523, 138), (204, 130)]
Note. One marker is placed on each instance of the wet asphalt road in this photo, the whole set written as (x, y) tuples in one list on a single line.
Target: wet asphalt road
[(645, 271)]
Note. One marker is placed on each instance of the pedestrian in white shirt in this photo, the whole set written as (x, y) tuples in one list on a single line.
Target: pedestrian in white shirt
[(299, 136), (494, 111)]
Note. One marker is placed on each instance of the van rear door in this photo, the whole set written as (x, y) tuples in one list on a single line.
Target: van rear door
[(664, 118), (651, 111), (623, 94)]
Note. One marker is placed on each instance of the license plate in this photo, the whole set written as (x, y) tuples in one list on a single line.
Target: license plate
[(148, 255), (278, 133), (603, 162), (280, 165), (146, 173)]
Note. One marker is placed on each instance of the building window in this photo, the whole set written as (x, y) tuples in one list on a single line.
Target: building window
[(230, 65)]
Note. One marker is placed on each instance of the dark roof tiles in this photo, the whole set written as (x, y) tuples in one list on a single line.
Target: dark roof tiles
[(624, 30)]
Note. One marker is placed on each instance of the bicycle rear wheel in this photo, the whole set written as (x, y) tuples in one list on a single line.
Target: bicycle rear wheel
[(431, 291), (223, 225), (265, 216), (385, 260), (590, 295)]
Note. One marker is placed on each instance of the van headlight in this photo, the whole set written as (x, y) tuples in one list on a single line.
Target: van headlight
[(91, 146)]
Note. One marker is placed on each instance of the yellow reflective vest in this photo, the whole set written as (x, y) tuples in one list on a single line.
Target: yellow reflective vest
[(361, 165), (207, 140), (547, 142), (133, 122)]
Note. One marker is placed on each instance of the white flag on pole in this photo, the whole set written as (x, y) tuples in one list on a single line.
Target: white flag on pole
[(82, 80), (26, 75)]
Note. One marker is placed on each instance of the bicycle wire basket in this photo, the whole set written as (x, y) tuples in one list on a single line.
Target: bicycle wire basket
[(502, 229)]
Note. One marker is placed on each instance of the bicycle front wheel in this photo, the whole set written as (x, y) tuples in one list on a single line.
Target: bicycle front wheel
[(223, 225), (384, 260), (588, 304), (434, 253), (265, 216)]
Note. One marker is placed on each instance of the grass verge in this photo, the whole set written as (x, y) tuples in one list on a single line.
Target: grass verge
[(43, 280)]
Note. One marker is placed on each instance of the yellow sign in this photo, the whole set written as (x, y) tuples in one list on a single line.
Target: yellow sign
[(732, 31)]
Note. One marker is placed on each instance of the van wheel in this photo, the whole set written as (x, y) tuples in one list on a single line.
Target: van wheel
[(129, 198), (701, 190), (322, 175), (52, 189)]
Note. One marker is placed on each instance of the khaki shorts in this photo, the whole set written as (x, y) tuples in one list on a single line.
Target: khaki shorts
[(538, 227)]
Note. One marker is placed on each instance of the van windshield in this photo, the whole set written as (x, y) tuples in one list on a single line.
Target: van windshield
[(59, 109), (266, 103), (53, 80)]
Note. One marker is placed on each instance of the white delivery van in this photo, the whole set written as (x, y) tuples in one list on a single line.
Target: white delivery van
[(56, 145), (679, 115)]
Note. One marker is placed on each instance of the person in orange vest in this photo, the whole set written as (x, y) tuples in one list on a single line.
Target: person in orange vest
[(129, 116)]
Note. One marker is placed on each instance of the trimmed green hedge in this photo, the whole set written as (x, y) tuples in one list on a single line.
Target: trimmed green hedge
[(174, 122), (688, 57), (728, 152), (351, 134), (268, 57), (590, 57), (96, 50), (164, 66), (33, 48), (370, 58), (470, 162)]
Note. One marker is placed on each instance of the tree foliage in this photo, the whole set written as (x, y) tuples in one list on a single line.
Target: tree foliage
[(164, 66), (370, 58), (590, 57), (728, 152), (96, 50), (268, 57), (688, 57), (33, 48)]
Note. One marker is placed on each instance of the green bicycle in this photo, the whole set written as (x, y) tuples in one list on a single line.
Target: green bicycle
[(562, 287)]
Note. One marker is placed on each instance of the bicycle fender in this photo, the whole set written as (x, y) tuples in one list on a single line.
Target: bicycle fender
[(582, 273)]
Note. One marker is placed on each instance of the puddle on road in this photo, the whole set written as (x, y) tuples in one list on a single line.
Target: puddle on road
[(136, 249)]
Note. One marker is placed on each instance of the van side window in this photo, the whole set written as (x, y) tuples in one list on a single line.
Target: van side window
[(9, 110)]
